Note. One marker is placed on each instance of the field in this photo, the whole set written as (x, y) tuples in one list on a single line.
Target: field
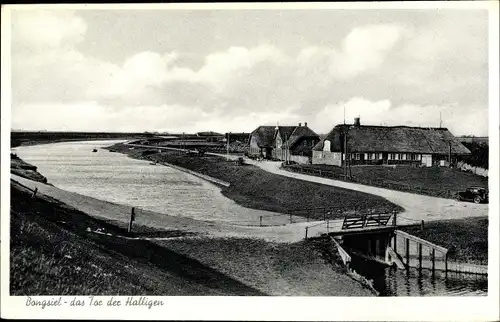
[(18, 138), (466, 239), (54, 253), (255, 188), (434, 181)]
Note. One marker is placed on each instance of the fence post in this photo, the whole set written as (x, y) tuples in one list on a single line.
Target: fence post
[(34, 193), (132, 219), (307, 228), (433, 260), (419, 256), (407, 253), (260, 221), (445, 265)]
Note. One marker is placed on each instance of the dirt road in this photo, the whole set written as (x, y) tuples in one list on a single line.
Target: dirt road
[(417, 207), (120, 213)]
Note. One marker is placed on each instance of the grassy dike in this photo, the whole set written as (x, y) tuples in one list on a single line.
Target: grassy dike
[(58, 250), (252, 187), (466, 239)]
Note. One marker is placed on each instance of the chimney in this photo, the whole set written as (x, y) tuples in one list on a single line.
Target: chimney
[(305, 124), (357, 122), (300, 124)]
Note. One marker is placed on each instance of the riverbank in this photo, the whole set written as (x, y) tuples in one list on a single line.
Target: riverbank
[(56, 249), (24, 169), (466, 239), (255, 188)]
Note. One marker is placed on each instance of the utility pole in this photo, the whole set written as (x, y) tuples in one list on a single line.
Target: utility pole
[(227, 144), (345, 155), (449, 152), (285, 144)]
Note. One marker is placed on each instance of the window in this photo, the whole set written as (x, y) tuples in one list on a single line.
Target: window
[(397, 156), (403, 156), (419, 157), (358, 156), (380, 156), (389, 156), (367, 156)]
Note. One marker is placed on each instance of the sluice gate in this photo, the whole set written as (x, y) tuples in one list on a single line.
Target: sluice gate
[(377, 238)]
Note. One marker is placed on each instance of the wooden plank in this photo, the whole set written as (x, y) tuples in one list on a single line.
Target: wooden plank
[(395, 258), (420, 240), (346, 258)]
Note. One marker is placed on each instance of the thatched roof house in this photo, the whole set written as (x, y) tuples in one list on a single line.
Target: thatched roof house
[(388, 144), (283, 142)]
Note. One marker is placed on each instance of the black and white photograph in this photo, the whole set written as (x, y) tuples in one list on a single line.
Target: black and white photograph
[(175, 158)]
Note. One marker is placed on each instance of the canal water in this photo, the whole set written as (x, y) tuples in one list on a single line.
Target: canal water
[(390, 281), (117, 178)]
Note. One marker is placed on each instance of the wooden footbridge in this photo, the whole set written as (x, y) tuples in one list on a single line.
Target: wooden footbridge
[(378, 237)]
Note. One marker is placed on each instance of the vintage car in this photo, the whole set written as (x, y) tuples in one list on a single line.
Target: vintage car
[(476, 194)]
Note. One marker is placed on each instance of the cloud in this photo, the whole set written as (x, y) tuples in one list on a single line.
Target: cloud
[(364, 49), (386, 114), (39, 29), (384, 72)]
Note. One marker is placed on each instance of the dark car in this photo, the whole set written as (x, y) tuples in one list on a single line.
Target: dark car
[(476, 194)]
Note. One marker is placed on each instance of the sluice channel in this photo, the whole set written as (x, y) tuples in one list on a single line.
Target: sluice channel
[(392, 281), (399, 264)]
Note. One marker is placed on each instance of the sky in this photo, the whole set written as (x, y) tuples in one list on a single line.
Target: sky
[(233, 70)]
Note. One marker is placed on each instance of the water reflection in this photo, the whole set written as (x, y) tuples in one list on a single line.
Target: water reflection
[(390, 281)]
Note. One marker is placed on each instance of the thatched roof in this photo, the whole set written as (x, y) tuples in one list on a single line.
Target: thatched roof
[(264, 136), (286, 132), (209, 133), (301, 132), (393, 139)]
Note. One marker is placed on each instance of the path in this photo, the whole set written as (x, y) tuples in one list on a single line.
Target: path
[(121, 213), (417, 207)]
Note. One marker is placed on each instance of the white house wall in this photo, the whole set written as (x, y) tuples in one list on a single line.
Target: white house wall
[(325, 157)]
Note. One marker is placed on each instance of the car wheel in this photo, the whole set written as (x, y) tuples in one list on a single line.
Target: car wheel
[(477, 200)]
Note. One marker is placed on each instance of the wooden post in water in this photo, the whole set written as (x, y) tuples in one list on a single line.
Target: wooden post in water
[(433, 260), (132, 219), (422, 226), (446, 265), (290, 218), (407, 252), (419, 256), (307, 228), (34, 193), (394, 219), (260, 221)]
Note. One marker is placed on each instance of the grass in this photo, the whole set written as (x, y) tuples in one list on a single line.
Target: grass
[(466, 239), (255, 188), (53, 253), (435, 181), (24, 169)]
